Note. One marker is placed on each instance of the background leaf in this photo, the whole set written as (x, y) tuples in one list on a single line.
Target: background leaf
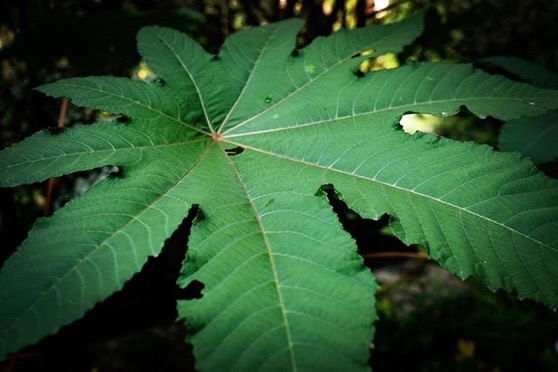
[(533, 137)]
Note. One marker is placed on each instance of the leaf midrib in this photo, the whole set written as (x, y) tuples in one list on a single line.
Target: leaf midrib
[(198, 91), (302, 87), (64, 83), (247, 83), (271, 260), (345, 173), (399, 110), (108, 151)]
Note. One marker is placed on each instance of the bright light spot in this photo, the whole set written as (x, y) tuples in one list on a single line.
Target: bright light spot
[(418, 122), (380, 4), (282, 4), (143, 73), (327, 7), (383, 62)]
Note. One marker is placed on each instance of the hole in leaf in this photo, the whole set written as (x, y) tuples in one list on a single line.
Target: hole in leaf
[(75, 184), (359, 73), (412, 123), (118, 172), (234, 151), (460, 126), (123, 119), (383, 62), (269, 202), (159, 82), (192, 291), (371, 236), (364, 53)]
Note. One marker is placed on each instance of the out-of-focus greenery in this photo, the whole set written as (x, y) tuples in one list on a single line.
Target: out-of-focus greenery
[(434, 322)]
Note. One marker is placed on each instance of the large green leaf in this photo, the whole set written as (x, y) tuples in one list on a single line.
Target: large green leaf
[(250, 136)]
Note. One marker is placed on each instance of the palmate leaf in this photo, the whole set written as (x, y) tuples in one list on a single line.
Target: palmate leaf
[(251, 136)]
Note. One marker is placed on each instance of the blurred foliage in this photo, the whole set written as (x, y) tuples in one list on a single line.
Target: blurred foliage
[(435, 322), (435, 326)]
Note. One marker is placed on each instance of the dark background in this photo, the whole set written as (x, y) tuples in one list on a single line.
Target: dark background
[(429, 320)]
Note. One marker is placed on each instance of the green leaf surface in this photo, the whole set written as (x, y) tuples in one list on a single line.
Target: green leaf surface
[(534, 137), (250, 136), (45, 155), (284, 287), (87, 250)]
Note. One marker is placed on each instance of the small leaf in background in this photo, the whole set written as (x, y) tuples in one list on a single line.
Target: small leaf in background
[(535, 137)]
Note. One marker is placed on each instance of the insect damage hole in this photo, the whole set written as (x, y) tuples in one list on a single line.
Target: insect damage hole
[(116, 172), (234, 151), (371, 235)]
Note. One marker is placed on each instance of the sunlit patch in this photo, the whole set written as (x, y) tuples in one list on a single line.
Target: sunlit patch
[(384, 62), (412, 123), (143, 72), (379, 8)]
